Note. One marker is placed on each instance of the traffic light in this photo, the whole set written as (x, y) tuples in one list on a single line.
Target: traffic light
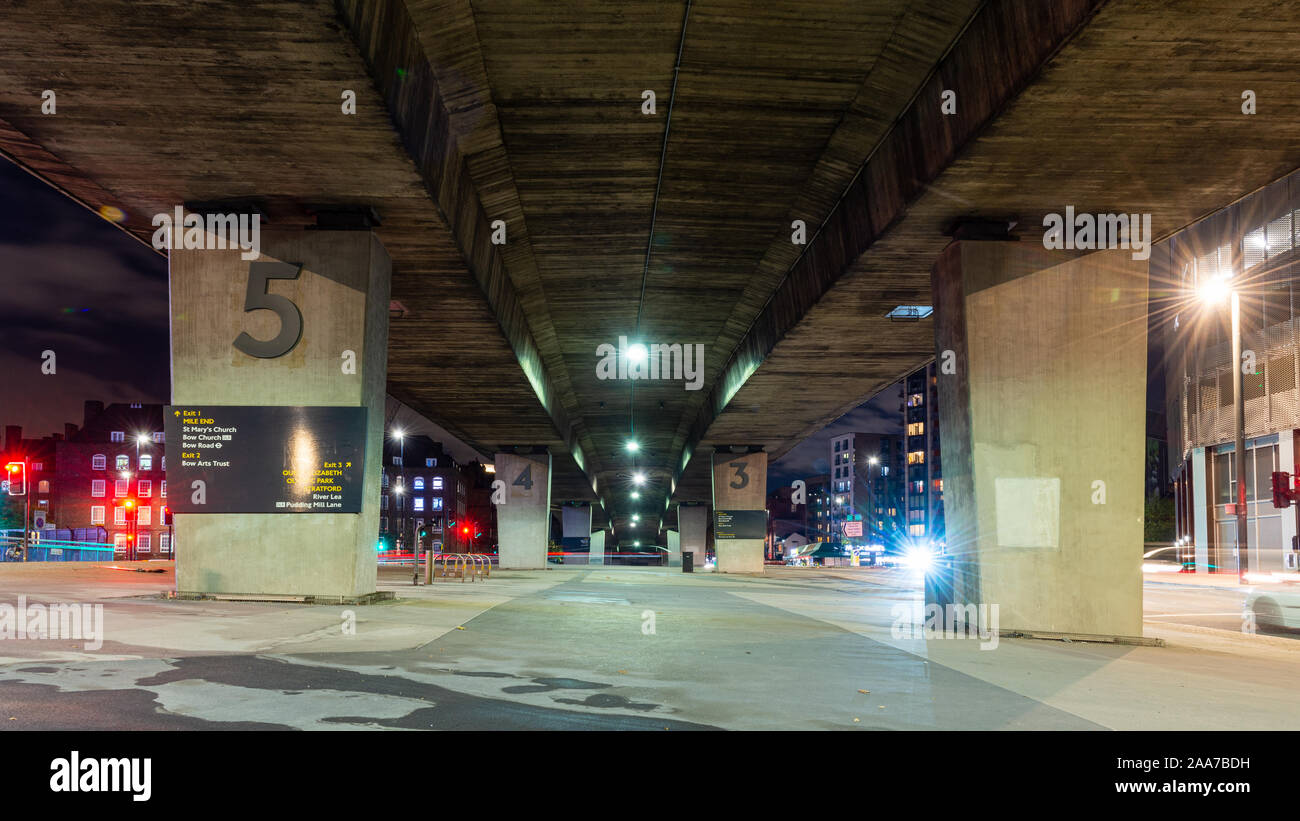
[(16, 473), (167, 515), (1281, 489)]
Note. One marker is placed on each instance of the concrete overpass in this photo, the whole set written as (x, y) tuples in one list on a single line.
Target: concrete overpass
[(666, 227)]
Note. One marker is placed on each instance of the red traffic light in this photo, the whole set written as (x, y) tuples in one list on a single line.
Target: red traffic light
[(464, 531), (17, 478), (1282, 493)]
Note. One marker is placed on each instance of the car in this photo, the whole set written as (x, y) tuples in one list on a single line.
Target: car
[(1275, 606)]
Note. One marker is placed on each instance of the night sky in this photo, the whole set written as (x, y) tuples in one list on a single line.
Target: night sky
[(75, 284)]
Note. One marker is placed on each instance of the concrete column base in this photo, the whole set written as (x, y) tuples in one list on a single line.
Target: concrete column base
[(693, 532), (524, 518), (739, 511), (1043, 417), (342, 295)]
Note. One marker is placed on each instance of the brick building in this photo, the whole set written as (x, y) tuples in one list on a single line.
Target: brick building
[(105, 481), (422, 487)]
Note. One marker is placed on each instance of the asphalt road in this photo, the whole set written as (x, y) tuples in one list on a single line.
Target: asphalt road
[(1200, 606)]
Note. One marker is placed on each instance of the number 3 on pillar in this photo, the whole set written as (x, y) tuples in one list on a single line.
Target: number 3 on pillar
[(259, 276)]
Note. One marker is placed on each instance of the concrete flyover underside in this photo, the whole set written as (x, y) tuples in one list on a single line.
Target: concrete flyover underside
[(612, 648)]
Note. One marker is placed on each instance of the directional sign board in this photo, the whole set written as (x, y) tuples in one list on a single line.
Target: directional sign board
[(740, 524), (265, 459), (853, 529)]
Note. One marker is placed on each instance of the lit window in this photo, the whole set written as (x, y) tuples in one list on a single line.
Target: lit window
[(916, 457), (417, 483), (98, 462), (38, 466), (418, 504), (144, 487), (431, 463), (96, 514), (159, 436), (435, 503), (123, 462), (43, 486), (916, 429), (397, 460), (162, 489), (144, 515), (119, 487), (1254, 249), (97, 487), (162, 464), (117, 436), (1278, 235), (436, 483), (165, 543), (119, 516), (146, 543), (383, 480), (916, 400), (146, 462)]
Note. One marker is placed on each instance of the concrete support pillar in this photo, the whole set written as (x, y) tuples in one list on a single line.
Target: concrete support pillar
[(524, 518), (674, 548), (693, 527), (739, 511), (338, 357), (597, 555), (1042, 402), (575, 533)]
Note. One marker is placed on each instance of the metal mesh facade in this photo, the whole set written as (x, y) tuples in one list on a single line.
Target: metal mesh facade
[(1255, 245)]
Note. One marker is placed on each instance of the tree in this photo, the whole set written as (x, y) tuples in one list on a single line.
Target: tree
[(1158, 519), (12, 510)]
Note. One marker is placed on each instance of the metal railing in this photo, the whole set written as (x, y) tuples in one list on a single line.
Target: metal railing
[(54, 550)]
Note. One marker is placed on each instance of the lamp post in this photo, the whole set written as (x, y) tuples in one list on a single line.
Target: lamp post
[(140, 439), (401, 486), (872, 461), (1214, 291)]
